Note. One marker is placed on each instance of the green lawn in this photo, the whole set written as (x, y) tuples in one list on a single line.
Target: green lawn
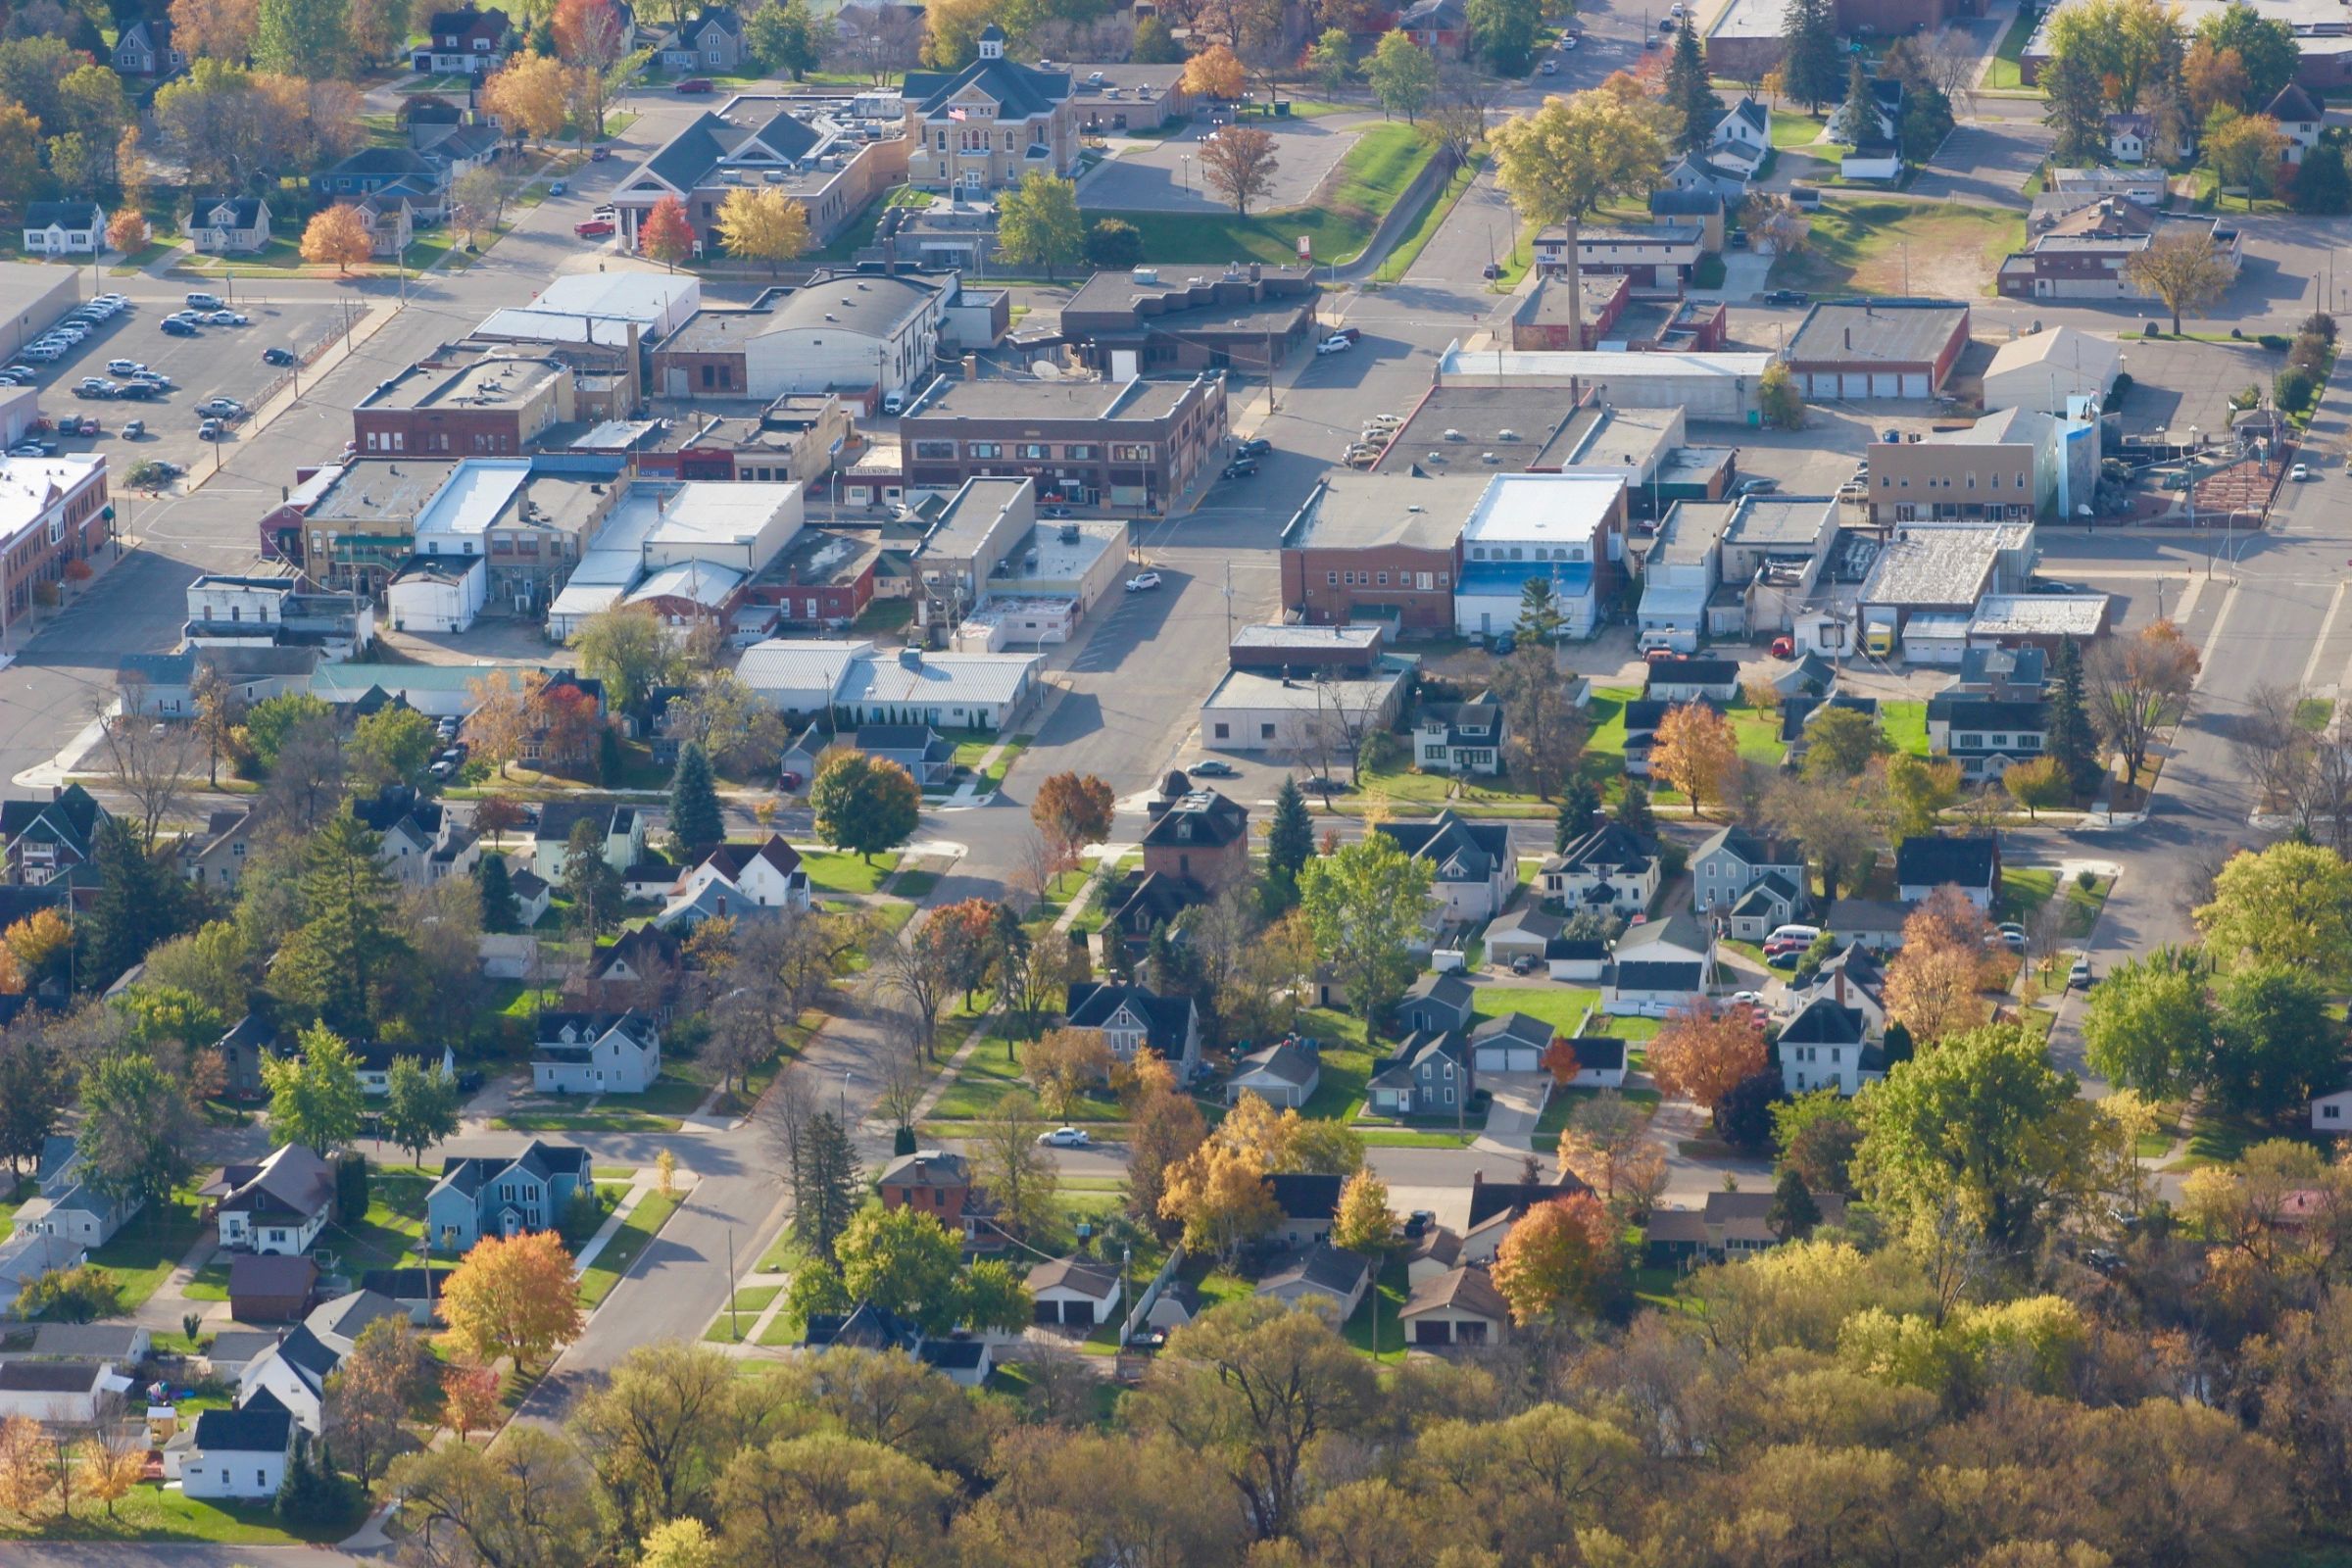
[(1560, 1007), (833, 871), (1790, 130), (994, 778), (151, 1514), (915, 886), (1373, 178), (750, 1301), (1348, 1063), (2005, 72), (1905, 725), (1408, 783), (143, 1254), (1415, 239), (1563, 1102), (1382, 1303), (657, 1110), (2026, 889), (12, 1202), (2314, 713), (1860, 244), (621, 1251), (387, 1236)]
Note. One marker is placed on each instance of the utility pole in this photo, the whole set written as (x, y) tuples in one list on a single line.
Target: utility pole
[(734, 1321), (1228, 593)]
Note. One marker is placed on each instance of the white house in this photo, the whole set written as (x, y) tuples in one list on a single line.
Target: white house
[(1688, 680), (69, 1207), (59, 1393), (1459, 737), (620, 828), (1475, 869), (1827, 1046), (1459, 1306), (1609, 869), (2299, 118), (1074, 1292), (376, 1058), (2128, 136), (2332, 1113), (296, 1368), (64, 228), (1600, 1062), (1970, 861), (1652, 988), (279, 1206), (239, 1454), (1743, 137), (596, 1054), (770, 874), (1560, 527)]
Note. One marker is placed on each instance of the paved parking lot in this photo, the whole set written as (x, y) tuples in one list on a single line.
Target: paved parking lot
[(1983, 163), (217, 362), (2177, 384), (1165, 176)]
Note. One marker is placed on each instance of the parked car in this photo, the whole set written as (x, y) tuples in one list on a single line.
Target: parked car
[(90, 386), (1242, 468), (78, 425), (1490, 271), (1786, 296), (2013, 933), (1783, 648), (593, 229), (1067, 1138), (198, 299), (26, 449), (1334, 345), (1143, 582), (228, 319), (599, 155), (124, 367), (139, 391), (2078, 974), (212, 430), (220, 408), (1257, 446), (1570, 41), (789, 782), (177, 329), (134, 430), (2301, 470), (1210, 767), (1754, 999), (278, 356), (1549, 67), (693, 84)]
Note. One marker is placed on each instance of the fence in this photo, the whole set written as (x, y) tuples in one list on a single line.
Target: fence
[(1149, 1296)]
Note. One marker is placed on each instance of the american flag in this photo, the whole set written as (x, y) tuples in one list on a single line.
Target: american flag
[(958, 114)]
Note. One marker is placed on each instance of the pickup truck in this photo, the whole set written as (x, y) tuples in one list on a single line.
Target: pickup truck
[(593, 229)]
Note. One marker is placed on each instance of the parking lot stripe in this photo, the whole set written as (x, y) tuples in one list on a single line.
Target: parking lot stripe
[(2318, 644)]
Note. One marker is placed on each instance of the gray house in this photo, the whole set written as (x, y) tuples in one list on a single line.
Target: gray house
[(1428, 1076), (1438, 1001), (487, 1195), (1732, 859), (916, 747), (230, 225), (1132, 1018), (596, 1054), (68, 1207), (711, 40)]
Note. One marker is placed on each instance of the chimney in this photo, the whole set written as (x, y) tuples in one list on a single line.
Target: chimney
[(1849, 337), (971, 366)]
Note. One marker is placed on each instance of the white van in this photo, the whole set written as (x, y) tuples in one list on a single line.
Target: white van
[(198, 300), (1806, 934)]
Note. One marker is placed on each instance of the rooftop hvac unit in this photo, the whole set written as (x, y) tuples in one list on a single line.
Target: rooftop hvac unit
[(1506, 434), (1455, 435)]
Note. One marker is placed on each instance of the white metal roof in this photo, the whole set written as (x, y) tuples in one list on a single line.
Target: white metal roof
[(474, 496), (1554, 508)]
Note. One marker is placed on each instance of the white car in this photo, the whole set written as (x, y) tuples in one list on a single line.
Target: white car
[(1570, 41), (228, 319), (1143, 582), (1334, 345), (123, 368), (1067, 1138), (1754, 999), (2079, 974), (2301, 470), (1549, 67), (220, 408)]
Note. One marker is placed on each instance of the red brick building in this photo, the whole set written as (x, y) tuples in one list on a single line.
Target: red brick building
[(1877, 348), (492, 405), (1384, 546), (54, 514), (825, 577), (1199, 837)]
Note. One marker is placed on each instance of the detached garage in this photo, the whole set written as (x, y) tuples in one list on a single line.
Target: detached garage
[(1461, 1306), (1512, 1043), (1074, 1293)]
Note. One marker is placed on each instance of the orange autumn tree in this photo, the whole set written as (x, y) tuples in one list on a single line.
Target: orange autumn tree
[(127, 230), (665, 235), (1936, 982), (1695, 752), (513, 1296), (1702, 1050), (470, 1396), (1557, 1262), (336, 235)]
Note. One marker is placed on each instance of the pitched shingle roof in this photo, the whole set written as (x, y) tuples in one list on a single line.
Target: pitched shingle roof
[(1467, 1289), (1020, 91), (1967, 860), (1461, 851), (1092, 1006), (256, 1429), (1306, 1194)]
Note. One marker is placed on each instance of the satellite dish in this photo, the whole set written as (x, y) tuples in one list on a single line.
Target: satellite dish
[(1045, 369)]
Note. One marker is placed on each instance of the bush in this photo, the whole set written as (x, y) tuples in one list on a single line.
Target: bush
[(1673, 860), (78, 1295), (2319, 324), (2273, 341), (2294, 388), (2085, 881), (904, 1141), (583, 1216), (2117, 393), (1113, 244), (312, 1493), (1383, 751)]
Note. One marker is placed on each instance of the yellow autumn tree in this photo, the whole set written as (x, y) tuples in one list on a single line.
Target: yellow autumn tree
[(1214, 72), (1221, 1195), (762, 226), (531, 95), (336, 235), (1695, 752)]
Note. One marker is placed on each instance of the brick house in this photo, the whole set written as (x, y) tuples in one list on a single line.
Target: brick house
[(1199, 837), (1383, 546), (933, 1181)]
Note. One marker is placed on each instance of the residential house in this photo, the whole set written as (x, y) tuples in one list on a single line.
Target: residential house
[(1461, 1306), (1853, 977), (641, 971), (596, 1054), (217, 855), (1643, 716), (1690, 680), (1131, 1018), (620, 829), (399, 172), (711, 40), (2332, 1113), (238, 1454), (1440, 26), (1969, 861), (1197, 836), (1984, 736), (1435, 1250), (1430, 1075), (65, 1206), (242, 1048), (1652, 988), (770, 872), (532, 897), (1512, 1043), (939, 1184), (1771, 901), (1873, 924), (1743, 137), (709, 894), (375, 1058), (2300, 119), (2085, 253), (2129, 137), (1436, 1003), (1074, 1292), (1475, 869), (25, 1257), (145, 49), (64, 228), (1734, 860), (985, 126), (270, 1287), (390, 222), (232, 1351), (60, 1394), (47, 838), (1730, 1225), (502, 1196), (1320, 1276), (1284, 1075), (917, 747), (1175, 1307), (1307, 1202), (965, 1360), (1600, 1062), (1523, 934), (1581, 959), (294, 1371), (124, 1343), (1827, 1046), (279, 1205), (418, 1291), (230, 225), (1679, 937), (469, 42), (423, 841), (1609, 869), (1459, 737), (1496, 1206)]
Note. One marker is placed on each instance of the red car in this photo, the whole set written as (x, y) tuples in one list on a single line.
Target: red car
[(599, 155), (593, 229), (697, 84)]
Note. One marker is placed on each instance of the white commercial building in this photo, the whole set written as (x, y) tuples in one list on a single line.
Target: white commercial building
[(1704, 386), (1555, 526), (438, 594), (2042, 370), (851, 684), (1320, 721), (659, 303), (737, 529), (848, 331)]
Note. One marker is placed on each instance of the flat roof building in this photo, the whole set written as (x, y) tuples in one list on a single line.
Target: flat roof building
[(1705, 386), (1378, 546), (1125, 445), (1852, 349)]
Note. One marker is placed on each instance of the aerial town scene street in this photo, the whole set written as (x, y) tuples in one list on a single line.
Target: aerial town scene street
[(1304, 783)]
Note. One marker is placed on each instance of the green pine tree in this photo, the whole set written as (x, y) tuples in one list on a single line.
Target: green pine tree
[(1580, 805), (501, 911), (344, 954), (1810, 69), (1858, 117), (1793, 1213), (137, 906), (2072, 741), (1540, 615), (695, 823), (1689, 91), (826, 1191), (1290, 836), (1632, 812), (590, 882)]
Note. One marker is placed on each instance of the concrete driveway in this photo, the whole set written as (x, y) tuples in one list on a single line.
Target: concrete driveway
[(1516, 1109)]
